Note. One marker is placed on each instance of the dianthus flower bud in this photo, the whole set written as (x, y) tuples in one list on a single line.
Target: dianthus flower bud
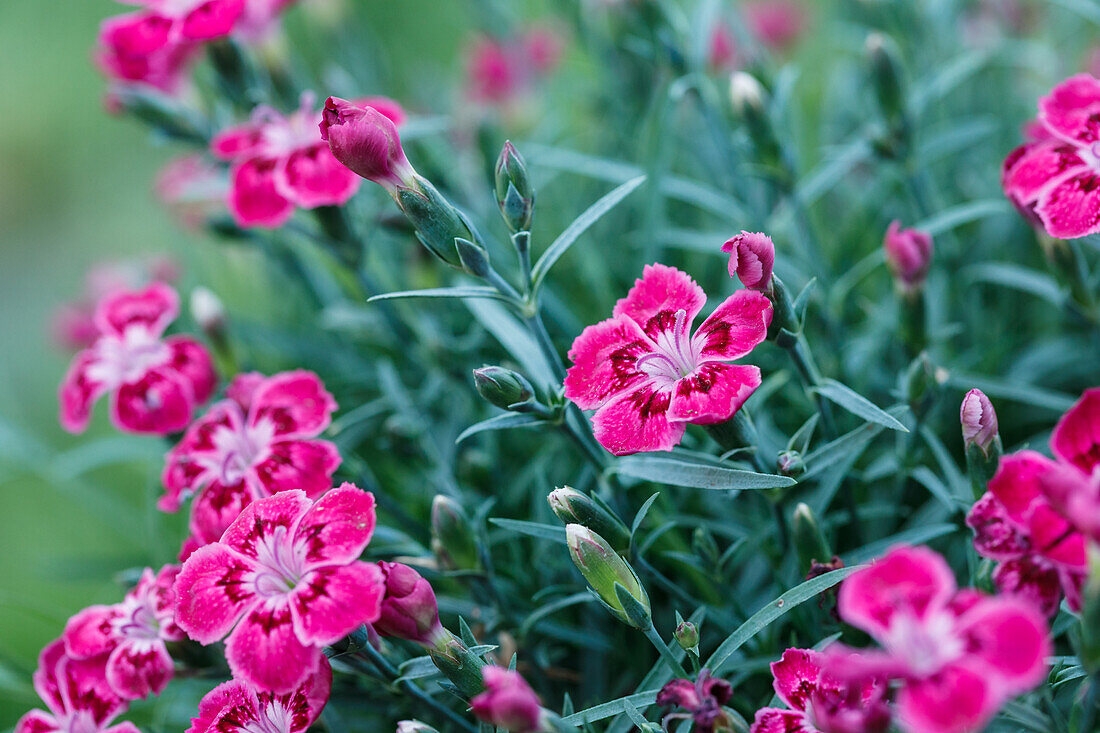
[(208, 312), (909, 255), (508, 702), (980, 439), (886, 75), (409, 609), (367, 143), (573, 507), (750, 103), (746, 94), (614, 582), (436, 220), (414, 726), (809, 540), (687, 635), (790, 463), (453, 540), (502, 387), (752, 255), (514, 193)]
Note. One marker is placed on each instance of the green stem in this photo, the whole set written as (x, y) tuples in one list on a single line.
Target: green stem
[(666, 653)]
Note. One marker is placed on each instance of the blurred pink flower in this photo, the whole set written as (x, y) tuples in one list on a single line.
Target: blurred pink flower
[(1073, 485), (497, 71), (284, 580), (647, 375), (155, 382), (508, 702), (133, 634), (776, 23), (959, 654), (722, 49), (193, 188), (908, 255)]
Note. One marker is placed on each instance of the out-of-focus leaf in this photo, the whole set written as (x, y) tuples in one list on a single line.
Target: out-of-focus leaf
[(1035, 396), (957, 216), (1019, 278), (678, 472), (513, 337), (106, 452), (500, 422), (555, 533), (857, 404)]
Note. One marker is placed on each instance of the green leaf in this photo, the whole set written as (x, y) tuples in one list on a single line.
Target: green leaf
[(857, 404), (769, 613), (105, 452), (914, 536), (614, 707), (678, 472), (957, 216), (579, 226), (927, 478), (515, 339), (1019, 278), (640, 516), (1035, 396), (831, 171), (500, 422), (553, 607), (455, 292), (553, 532)]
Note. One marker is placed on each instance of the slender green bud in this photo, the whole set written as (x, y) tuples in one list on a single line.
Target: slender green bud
[(461, 666), (884, 60), (453, 539), (437, 222), (687, 636), (704, 546), (573, 507), (809, 540), (785, 326), (515, 196), (614, 582), (502, 387), (750, 104)]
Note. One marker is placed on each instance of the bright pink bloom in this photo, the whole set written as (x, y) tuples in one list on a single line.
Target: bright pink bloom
[(133, 633), (409, 609), (959, 654), (260, 17), (77, 695), (140, 48), (280, 162), (284, 580), (978, 420), (192, 188), (1039, 554), (647, 375), (155, 383), (255, 443), (702, 700), (722, 51), (364, 138), (908, 254), (238, 707), (1056, 179), (508, 701), (752, 255), (777, 23), (1073, 487), (820, 703)]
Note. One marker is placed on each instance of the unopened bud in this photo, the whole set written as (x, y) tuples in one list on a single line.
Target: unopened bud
[(809, 540), (437, 222), (921, 383), (514, 193), (502, 387), (409, 609), (366, 142), (752, 255), (750, 104), (612, 579), (208, 312), (453, 540), (414, 726), (508, 702), (790, 463), (979, 420), (573, 507), (687, 635), (909, 255), (886, 75), (704, 546), (746, 94)]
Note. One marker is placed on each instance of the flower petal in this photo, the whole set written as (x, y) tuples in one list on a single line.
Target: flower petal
[(713, 392), (78, 392), (907, 579), (37, 721), (1032, 167), (312, 177), (637, 421), (1016, 484), (1071, 208), (160, 402), (266, 521), (189, 465), (338, 527), (138, 669), (1075, 496), (1072, 109), (995, 536), (957, 700), (212, 19), (796, 676), (1011, 639), (332, 602), (152, 307), (776, 720), (657, 296), (90, 632), (236, 142), (736, 327), (1076, 437), (296, 403), (192, 362), (254, 199), (264, 650), (216, 508), (1055, 538), (298, 464), (1038, 583), (213, 590), (604, 360)]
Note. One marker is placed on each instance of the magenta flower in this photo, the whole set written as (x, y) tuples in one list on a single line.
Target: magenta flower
[(238, 707), (284, 580), (776, 23), (1073, 487), (1040, 557), (364, 138), (192, 187), (280, 162), (155, 383), (499, 71), (77, 695), (133, 634), (138, 49), (908, 255), (752, 256), (722, 50), (409, 609), (1055, 178), (647, 375), (259, 18), (959, 654), (255, 443), (701, 700), (978, 420), (819, 703), (508, 702)]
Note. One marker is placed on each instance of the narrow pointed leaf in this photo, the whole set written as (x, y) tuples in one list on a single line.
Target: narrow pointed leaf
[(857, 404)]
